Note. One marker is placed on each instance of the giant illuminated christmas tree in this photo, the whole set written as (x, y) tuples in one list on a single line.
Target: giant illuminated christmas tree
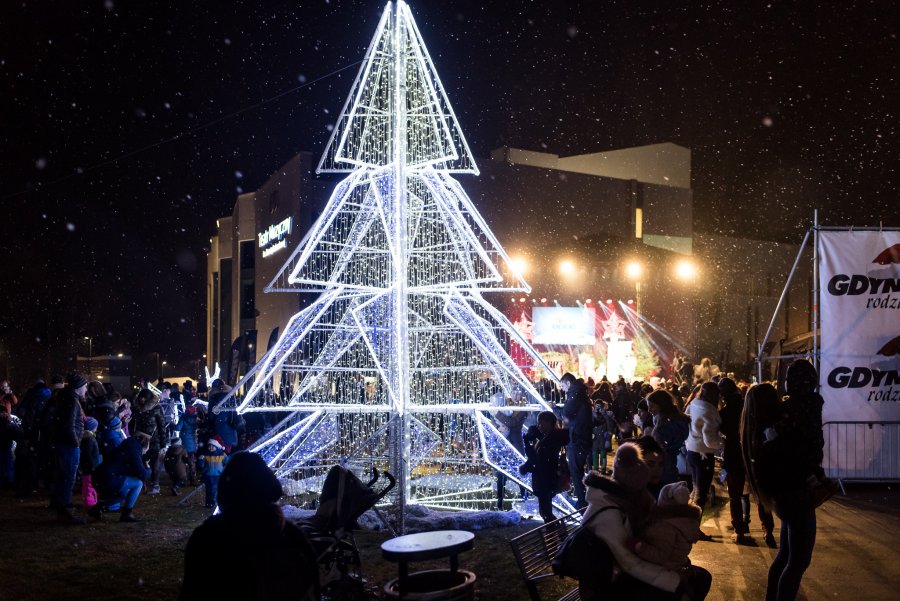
[(399, 361)]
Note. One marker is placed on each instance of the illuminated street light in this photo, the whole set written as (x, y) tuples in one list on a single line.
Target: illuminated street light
[(520, 265), (686, 270), (567, 267), (634, 270), (90, 355)]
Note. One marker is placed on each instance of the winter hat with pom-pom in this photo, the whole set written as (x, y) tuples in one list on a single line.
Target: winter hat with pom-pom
[(629, 469), (217, 442), (676, 493)]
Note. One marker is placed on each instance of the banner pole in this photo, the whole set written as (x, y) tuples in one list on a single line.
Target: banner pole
[(780, 304), (815, 321)]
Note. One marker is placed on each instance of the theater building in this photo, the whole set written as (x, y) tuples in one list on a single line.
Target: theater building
[(608, 226)]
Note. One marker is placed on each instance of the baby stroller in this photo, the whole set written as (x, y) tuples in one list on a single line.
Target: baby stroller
[(343, 500)]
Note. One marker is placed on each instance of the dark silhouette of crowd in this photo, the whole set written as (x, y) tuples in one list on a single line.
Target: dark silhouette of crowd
[(670, 441), (74, 435), (666, 442)]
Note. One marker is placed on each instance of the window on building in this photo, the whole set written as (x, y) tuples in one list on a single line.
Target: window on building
[(274, 201), (248, 254), (248, 300), (225, 309)]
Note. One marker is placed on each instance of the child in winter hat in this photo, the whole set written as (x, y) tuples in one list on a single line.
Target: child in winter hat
[(212, 464), (673, 529)]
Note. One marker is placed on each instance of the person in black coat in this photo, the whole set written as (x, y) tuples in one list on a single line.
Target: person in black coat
[(148, 418), (279, 563), (67, 428), (732, 460), (27, 460), (578, 416), (542, 446)]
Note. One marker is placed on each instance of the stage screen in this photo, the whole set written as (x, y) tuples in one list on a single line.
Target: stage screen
[(563, 325)]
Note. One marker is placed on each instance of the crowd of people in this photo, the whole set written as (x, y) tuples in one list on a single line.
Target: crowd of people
[(74, 434), (670, 440), (665, 440)]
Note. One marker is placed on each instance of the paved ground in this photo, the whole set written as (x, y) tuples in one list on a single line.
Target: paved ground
[(857, 553)]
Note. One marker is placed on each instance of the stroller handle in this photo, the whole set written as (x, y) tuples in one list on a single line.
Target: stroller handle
[(375, 476), (392, 482)]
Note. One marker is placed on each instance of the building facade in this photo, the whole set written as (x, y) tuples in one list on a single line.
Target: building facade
[(621, 221)]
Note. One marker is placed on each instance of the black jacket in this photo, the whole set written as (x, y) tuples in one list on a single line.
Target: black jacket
[(543, 458), (31, 407), (68, 425), (578, 411), (149, 420), (731, 429), (281, 565)]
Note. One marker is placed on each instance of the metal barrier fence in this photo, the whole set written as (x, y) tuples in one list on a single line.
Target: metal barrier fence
[(862, 451)]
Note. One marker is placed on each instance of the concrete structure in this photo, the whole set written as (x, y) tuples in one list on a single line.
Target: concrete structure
[(641, 193), (246, 252), (112, 369)]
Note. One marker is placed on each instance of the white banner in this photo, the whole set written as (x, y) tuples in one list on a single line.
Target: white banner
[(859, 292)]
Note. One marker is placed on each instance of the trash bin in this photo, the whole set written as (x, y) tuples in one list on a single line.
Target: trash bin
[(435, 585)]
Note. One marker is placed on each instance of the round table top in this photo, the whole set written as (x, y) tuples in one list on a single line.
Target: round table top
[(427, 545)]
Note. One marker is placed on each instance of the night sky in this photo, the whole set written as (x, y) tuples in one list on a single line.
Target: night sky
[(129, 127)]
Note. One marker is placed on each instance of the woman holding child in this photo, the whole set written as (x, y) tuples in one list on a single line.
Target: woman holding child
[(619, 510), (782, 445)]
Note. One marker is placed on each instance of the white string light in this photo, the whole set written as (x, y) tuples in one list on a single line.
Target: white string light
[(392, 365)]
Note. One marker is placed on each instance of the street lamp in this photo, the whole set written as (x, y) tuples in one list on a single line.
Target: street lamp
[(520, 265), (155, 354), (164, 363), (567, 267), (90, 355), (634, 270), (686, 270)]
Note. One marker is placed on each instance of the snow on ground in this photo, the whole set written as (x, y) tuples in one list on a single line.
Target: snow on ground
[(422, 519)]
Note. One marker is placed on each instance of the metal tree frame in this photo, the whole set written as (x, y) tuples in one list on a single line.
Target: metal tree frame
[(398, 362)]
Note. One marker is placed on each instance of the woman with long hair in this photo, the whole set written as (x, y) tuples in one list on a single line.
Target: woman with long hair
[(782, 448), (703, 441), (670, 430)]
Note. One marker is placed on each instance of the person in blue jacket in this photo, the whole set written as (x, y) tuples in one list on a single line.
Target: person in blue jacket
[(227, 423), (121, 475), (187, 430), (212, 463)]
